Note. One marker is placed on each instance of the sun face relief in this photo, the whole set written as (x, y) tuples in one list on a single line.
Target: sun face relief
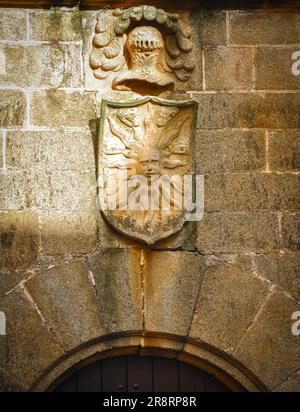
[(146, 152)]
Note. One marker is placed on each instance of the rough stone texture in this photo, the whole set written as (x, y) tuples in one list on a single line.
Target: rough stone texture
[(68, 233), (55, 150), (229, 151), (65, 297), (284, 151), (268, 110), (55, 25), (221, 317), (228, 68), (41, 65), (169, 307), (12, 108), (292, 384), (237, 232), (290, 231), (10, 384), (63, 191), (59, 108), (32, 347), (212, 28), (12, 24), (117, 276), (19, 239), (283, 269), (273, 69), (269, 348), (240, 192), (13, 191), (264, 28)]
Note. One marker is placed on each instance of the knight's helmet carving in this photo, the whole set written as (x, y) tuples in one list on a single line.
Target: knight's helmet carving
[(145, 47)]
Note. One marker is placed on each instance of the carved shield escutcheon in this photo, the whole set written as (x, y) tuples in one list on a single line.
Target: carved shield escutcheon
[(145, 151)]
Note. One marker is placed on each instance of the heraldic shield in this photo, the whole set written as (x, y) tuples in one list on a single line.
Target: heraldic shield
[(145, 166)]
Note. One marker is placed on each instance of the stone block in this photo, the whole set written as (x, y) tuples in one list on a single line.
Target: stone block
[(171, 290), (55, 65), (282, 269), (14, 191), (59, 150), (292, 384), (223, 313), (269, 349), (63, 191), (248, 110), (252, 192), (264, 28), (212, 27), (228, 68), (273, 69), (229, 151), (55, 25), (12, 108), (13, 24), (117, 275), (55, 108), (68, 233), (19, 239), (65, 296), (237, 232), (284, 151), (32, 347), (290, 226)]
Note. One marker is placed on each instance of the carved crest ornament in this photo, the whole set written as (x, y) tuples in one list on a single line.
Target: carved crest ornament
[(145, 145)]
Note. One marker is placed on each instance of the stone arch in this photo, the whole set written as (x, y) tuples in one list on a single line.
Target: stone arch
[(231, 373)]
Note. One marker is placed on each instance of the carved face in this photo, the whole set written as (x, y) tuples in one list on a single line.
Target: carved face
[(149, 162)]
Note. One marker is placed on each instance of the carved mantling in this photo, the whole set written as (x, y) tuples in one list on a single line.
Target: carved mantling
[(142, 46)]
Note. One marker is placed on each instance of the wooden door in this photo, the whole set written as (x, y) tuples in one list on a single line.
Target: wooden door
[(140, 374)]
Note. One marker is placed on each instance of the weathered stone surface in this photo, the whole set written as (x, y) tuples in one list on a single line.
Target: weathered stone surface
[(292, 384), (12, 24), (63, 191), (19, 239), (117, 277), (228, 68), (32, 347), (55, 150), (283, 269), (12, 108), (59, 108), (68, 233), (273, 69), (264, 28), (229, 151), (1, 150), (263, 191), (237, 232), (8, 383), (64, 295), (269, 348), (268, 110), (284, 151), (43, 65), (13, 191), (223, 313), (290, 231), (212, 28), (55, 25), (171, 290)]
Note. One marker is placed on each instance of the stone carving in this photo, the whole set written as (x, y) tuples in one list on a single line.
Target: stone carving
[(144, 145), (146, 54)]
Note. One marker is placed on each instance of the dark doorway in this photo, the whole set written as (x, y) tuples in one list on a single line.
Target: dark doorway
[(140, 374)]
